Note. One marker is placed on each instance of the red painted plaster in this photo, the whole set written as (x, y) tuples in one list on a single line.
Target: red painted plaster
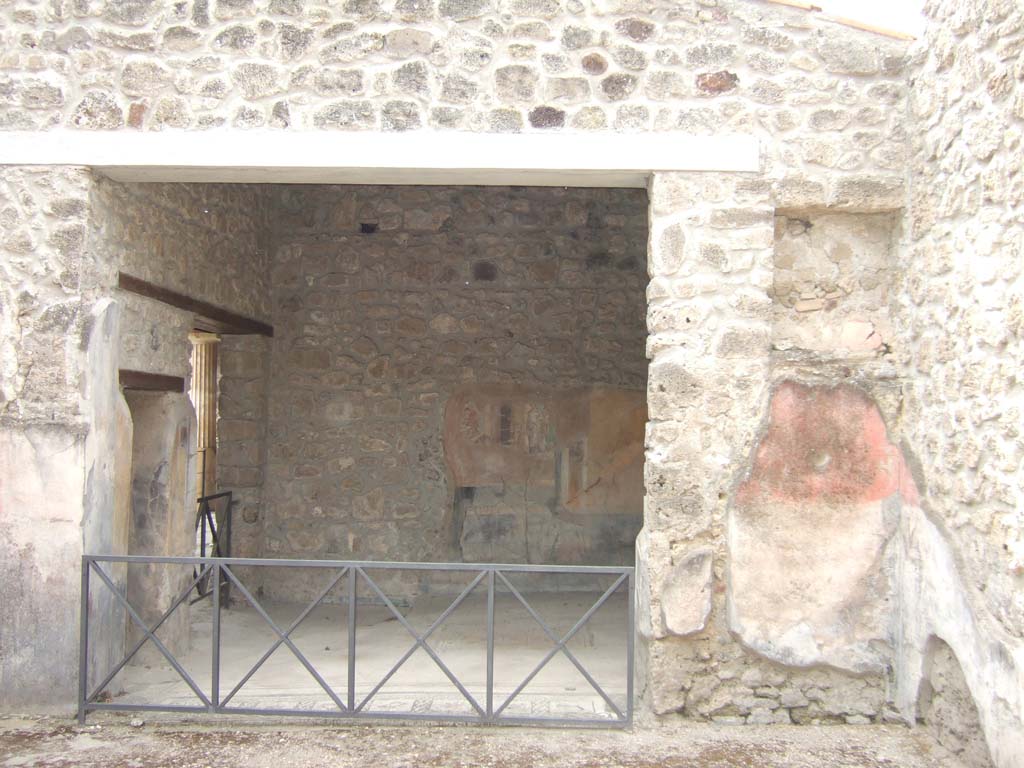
[(826, 444)]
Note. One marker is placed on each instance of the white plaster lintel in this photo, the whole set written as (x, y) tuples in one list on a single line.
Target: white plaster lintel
[(374, 158)]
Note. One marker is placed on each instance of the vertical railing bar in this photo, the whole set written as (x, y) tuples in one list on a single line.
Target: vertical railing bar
[(203, 505), (490, 643), (215, 662), (630, 646), (83, 645), (352, 589)]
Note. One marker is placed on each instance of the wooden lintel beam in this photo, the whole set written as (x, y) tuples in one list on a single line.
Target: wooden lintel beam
[(221, 320), (151, 382)]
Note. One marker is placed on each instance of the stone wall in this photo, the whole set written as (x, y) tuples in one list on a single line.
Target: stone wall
[(205, 241), (962, 303), (45, 322), (948, 710), (162, 515), (389, 303), (959, 313), (241, 436), (728, 553), (826, 96), (765, 337)]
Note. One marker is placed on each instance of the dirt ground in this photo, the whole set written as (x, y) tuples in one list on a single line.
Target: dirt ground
[(114, 742)]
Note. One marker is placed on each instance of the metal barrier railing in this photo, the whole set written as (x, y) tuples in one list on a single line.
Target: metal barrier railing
[(213, 528), (346, 704)]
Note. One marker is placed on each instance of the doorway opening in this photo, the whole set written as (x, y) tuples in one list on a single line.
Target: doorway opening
[(456, 375)]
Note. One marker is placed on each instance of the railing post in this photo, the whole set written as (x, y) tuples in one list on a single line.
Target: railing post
[(490, 644), (83, 644), (630, 646), (352, 639), (215, 639)]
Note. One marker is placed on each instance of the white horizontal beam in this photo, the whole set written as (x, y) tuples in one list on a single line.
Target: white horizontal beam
[(376, 158)]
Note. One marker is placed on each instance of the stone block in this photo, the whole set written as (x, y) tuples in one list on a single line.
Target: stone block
[(847, 54), (867, 193), (516, 83), (618, 86), (464, 10), (144, 78), (686, 596), (674, 385), (345, 114)]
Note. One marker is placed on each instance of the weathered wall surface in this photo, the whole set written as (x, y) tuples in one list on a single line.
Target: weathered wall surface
[(241, 436), (832, 286), (811, 535), (753, 292), (961, 304), (959, 312), (740, 407), (543, 476), (205, 241), (45, 320), (390, 301), (162, 489), (107, 493), (946, 706), (63, 424)]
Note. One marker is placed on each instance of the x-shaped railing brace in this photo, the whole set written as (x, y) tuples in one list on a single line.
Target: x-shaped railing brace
[(420, 641), (560, 645), (149, 633), (284, 637)]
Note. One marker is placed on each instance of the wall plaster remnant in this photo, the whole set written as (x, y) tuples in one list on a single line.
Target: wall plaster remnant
[(810, 555)]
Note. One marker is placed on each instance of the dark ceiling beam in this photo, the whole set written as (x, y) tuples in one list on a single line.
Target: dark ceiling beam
[(150, 382), (214, 318)]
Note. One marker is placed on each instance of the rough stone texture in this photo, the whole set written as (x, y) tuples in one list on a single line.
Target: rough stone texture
[(697, 433), (241, 435), (44, 318), (201, 240), (960, 303), (742, 67), (833, 284), (959, 314), (387, 302), (947, 708), (205, 241), (728, 319), (686, 603), (714, 324)]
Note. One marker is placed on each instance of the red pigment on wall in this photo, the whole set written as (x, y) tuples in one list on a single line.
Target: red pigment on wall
[(826, 444)]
